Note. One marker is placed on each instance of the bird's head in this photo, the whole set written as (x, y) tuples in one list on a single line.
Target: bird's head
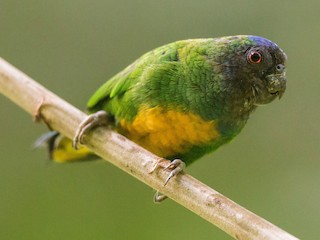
[(257, 66)]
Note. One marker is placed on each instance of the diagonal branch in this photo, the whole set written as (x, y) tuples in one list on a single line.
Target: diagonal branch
[(184, 189)]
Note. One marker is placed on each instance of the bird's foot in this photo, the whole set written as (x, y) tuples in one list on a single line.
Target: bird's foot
[(93, 120), (176, 166)]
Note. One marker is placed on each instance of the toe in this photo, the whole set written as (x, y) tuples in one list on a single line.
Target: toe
[(96, 119)]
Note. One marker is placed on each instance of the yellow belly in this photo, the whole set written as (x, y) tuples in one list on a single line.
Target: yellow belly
[(168, 132)]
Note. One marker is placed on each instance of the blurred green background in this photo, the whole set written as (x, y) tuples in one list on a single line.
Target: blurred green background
[(71, 47)]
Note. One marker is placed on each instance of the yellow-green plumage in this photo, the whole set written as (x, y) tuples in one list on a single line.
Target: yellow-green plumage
[(187, 98)]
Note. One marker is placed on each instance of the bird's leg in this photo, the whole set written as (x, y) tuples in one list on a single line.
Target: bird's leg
[(93, 120), (176, 166)]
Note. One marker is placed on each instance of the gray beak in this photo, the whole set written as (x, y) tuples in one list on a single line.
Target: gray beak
[(276, 84)]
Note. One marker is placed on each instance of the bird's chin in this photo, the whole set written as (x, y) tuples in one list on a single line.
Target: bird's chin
[(266, 98)]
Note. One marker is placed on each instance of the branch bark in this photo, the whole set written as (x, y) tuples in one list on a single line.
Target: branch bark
[(184, 189)]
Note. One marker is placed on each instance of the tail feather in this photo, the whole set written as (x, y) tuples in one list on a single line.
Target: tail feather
[(60, 148)]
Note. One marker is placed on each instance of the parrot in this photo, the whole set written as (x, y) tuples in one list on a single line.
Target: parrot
[(184, 99)]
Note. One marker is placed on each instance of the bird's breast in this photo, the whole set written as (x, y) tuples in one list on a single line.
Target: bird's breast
[(168, 132)]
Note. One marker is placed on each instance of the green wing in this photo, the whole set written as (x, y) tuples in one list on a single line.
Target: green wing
[(122, 94), (173, 75)]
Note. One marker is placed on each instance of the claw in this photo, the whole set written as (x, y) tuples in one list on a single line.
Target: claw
[(159, 197), (177, 166), (96, 119), (157, 164)]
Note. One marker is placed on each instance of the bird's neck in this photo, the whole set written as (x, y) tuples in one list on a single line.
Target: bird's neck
[(239, 105)]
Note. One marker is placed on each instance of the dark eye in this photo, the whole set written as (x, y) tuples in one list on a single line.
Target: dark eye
[(254, 57)]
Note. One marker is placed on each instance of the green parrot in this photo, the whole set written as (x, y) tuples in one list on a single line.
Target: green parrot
[(187, 98)]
